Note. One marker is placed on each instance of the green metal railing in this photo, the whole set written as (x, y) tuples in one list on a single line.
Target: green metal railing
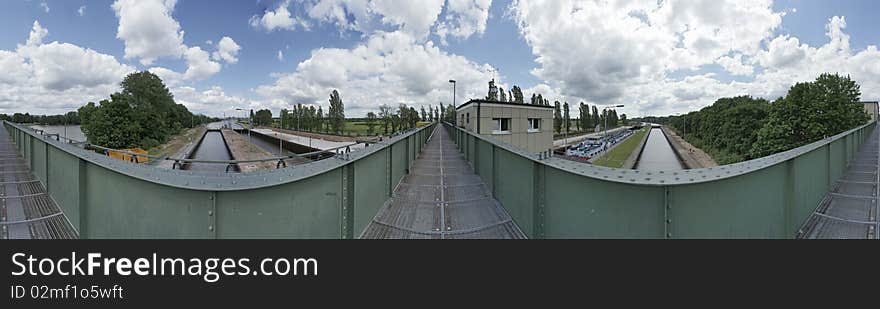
[(768, 197), (109, 198)]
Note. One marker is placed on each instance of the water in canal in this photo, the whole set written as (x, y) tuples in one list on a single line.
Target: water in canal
[(658, 155), (213, 147), (267, 145), (71, 132)]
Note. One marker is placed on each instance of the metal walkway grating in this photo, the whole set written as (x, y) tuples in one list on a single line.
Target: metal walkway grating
[(850, 209), (441, 198), (26, 210)]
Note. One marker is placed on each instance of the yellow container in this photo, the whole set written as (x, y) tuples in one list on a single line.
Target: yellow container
[(128, 157)]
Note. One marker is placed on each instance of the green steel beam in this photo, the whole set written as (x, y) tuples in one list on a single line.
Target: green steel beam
[(335, 198), (768, 197)]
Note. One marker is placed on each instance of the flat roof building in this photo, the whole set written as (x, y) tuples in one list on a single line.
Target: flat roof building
[(872, 108), (526, 126)]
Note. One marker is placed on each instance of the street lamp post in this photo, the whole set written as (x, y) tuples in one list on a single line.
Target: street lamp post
[(605, 129), (453, 100), (249, 120)]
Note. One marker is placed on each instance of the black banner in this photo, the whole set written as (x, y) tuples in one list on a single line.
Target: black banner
[(376, 273)]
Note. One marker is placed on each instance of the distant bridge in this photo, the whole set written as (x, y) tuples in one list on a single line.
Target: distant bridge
[(804, 192)]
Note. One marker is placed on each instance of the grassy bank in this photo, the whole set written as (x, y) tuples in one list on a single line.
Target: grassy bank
[(617, 156)]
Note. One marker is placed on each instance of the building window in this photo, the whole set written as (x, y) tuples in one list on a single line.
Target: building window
[(468, 118), (502, 126), (534, 125)]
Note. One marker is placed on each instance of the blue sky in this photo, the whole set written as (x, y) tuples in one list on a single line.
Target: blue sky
[(656, 58)]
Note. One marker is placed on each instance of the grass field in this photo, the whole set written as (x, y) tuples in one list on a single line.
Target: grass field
[(617, 156)]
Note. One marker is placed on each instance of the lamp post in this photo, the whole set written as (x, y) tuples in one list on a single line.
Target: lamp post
[(249, 121), (453, 99), (605, 129)]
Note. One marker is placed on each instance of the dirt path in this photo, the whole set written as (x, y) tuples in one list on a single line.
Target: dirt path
[(326, 137), (693, 157), (243, 150), (179, 146)]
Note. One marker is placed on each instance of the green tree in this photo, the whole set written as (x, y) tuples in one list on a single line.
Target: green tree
[(110, 124), (517, 95), (566, 118), (413, 117), (424, 114), (283, 117), (336, 114), (385, 113), (263, 117), (809, 112), (557, 118), (320, 120), (143, 111), (493, 92), (595, 117), (371, 122), (450, 114), (583, 116)]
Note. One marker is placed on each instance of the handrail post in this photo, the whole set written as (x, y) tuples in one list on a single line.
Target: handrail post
[(539, 187), (347, 201)]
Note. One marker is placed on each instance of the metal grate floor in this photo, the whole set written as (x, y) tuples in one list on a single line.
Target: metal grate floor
[(26, 210), (850, 210), (441, 198)]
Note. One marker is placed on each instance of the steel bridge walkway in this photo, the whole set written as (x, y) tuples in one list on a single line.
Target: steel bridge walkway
[(850, 209), (442, 198), (26, 210)]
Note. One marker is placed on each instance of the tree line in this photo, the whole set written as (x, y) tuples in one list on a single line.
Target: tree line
[(143, 114), (309, 118), (561, 112), (743, 128), (586, 120), (70, 118)]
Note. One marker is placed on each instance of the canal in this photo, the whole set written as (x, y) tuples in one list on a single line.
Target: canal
[(212, 147), (71, 132), (658, 154), (267, 144)]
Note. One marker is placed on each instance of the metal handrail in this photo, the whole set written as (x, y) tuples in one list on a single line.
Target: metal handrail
[(216, 181), (185, 160), (178, 162), (663, 178)]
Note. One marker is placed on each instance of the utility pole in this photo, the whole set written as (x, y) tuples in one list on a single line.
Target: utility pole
[(605, 129), (453, 99)]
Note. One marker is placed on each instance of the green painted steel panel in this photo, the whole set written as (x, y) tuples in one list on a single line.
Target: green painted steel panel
[(837, 160), (472, 143), (747, 206), (582, 207), (398, 162), (484, 163), (811, 183), (369, 194), (309, 208), (515, 188), (64, 173), (38, 168), (119, 206)]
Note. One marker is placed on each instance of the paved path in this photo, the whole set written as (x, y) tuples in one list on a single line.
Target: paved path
[(26, 211), (441, 198), (850, 210)]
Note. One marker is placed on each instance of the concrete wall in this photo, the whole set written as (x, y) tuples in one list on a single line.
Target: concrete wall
[(519, 136)]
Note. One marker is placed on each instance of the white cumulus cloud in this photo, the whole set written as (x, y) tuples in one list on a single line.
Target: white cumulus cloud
[(51, 78), (227, 50), (389, 68)]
